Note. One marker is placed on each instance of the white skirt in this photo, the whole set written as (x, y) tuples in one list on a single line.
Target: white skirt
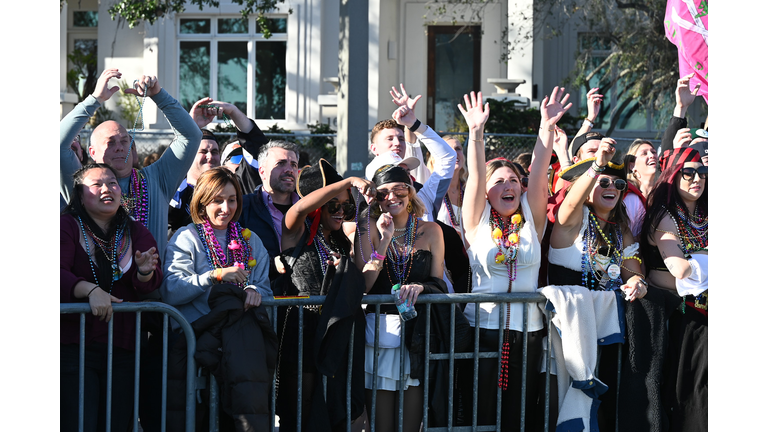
[(389, 369)]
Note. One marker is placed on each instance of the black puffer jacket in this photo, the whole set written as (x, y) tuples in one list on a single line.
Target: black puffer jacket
[(240, 349)]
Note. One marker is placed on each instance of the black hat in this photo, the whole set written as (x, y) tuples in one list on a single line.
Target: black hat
[(581, 140), (317, 176), (209, 135), (702, 147), (614, 168), (391, 174)]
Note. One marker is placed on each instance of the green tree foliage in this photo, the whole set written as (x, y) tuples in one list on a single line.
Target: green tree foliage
[(83, 68), (137, 11)]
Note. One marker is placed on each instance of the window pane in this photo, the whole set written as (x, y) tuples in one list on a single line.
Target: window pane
[(454, 76), (233, 26), (194, 72), (193, 26), (607, 104), (270, 80), (277, 25), (85, 19), (233, 74)]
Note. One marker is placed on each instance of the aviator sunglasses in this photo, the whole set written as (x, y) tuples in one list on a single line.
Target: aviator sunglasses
[(605, 183), (347, 207), (399, 191), (689, 173)]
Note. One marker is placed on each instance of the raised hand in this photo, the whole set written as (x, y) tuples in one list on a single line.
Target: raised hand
[(553, 107), (605, 152), (684, 96), (682, 138), (103, 91), (561, 142), (149, 81), (201, 115), (404, 116), (475, 113), (593, 104), (401, 98), (146, 261), (366, 187)]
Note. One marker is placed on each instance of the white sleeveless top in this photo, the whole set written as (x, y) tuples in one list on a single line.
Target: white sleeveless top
[(490, 277)]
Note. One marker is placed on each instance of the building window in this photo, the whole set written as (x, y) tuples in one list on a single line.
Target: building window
[(633, 115), (227, 59), (82, 51)]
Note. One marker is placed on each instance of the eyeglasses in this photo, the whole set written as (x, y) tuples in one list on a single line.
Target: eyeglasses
[(605, 183), (689, 173), (399, 191), (347, 207)]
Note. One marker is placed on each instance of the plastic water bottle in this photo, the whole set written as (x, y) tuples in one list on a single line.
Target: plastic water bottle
[(406, 312)]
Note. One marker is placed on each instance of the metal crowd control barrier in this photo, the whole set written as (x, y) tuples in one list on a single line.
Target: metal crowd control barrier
[(377, 300), (138, 308)]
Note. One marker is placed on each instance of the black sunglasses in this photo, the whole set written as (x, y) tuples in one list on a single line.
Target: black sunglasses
[(347, 207), (605, 183), (689, 173), (399, 191)]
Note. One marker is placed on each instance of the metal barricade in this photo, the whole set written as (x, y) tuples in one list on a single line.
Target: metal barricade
[(475, 355), (377, 300), (138, 308)]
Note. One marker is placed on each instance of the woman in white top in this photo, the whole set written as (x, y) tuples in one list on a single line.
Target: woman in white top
[(504, 228)]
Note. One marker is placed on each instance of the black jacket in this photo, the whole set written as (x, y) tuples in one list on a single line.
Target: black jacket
[(256, 217), (240, 349)]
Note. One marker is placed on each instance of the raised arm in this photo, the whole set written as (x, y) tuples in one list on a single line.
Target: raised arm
[(476, 115), (173, 165), (684, 97), (293, 223), (593, 109), (552, 109), (73, 122), (413, 147), (570, 213)]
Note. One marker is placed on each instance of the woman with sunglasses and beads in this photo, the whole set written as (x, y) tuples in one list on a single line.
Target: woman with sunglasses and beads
[(504, 228), (675, 241), (401, 251), (592, 246), (314, 225), (106, 258)]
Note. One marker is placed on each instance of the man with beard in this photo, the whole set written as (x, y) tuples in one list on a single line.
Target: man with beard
[(264, 209)]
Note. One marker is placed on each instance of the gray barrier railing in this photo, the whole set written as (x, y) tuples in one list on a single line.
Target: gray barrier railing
[(377, 300), (138, 308)]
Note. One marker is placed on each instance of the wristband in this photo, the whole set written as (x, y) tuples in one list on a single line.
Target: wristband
[(218, 274), (591, 173), (597, 168), (144, 274), (376, 256), (591, 123), (415, 126), (92, 290)]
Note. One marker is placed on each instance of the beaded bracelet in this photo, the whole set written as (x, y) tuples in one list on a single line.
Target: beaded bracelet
[(376, 256), (633, 257), (92, 290), (597, 167)]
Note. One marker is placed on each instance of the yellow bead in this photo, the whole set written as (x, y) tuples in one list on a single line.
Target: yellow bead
[(252, 263), (497, 234), (513, 238), (246, 233), (516, 218)]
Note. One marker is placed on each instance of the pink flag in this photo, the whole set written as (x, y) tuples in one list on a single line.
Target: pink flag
[(686, 24)]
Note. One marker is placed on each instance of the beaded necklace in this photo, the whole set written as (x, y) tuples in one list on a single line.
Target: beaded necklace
[(110, 250), (692, 229), (238, 247), (136, 201), (506, 237), (693, 232), (453, 219), (324, 248), (400, 262), (592, 274)]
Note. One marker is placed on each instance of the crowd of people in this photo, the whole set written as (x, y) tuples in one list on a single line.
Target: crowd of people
[(616, 243)]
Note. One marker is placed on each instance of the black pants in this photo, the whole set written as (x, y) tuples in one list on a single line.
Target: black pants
[(488, 380), (95, 394)]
